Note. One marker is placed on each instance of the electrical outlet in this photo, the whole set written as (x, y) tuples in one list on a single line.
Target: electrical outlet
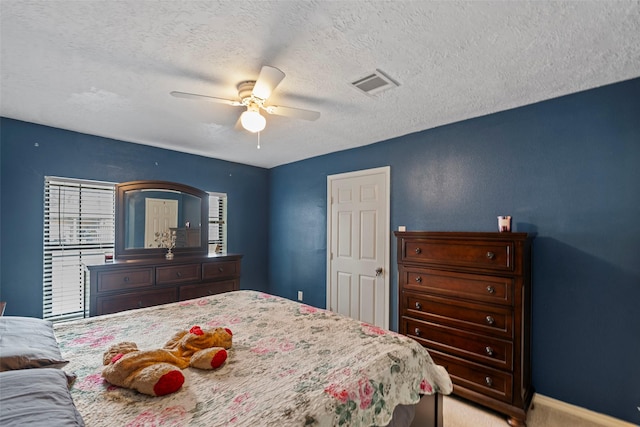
[(299, 295)]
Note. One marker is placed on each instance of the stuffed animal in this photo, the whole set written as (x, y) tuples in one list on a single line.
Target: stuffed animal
[(158, 372)]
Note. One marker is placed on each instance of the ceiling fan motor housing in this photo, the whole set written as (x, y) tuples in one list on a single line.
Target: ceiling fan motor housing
[(245, 90)]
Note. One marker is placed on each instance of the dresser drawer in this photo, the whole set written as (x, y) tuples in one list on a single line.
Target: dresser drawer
[(125, 279), (183, 273), (219, 269), (485, 254), (482, 318), (475, 287), (478, 378), (480, 348), (207, 289), (128, 301)]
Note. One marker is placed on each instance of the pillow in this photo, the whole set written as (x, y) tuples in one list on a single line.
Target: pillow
[(28, 342), (37, 397)]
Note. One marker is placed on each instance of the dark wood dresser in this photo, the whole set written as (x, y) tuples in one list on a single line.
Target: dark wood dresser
[(128, 284), (466, 297)]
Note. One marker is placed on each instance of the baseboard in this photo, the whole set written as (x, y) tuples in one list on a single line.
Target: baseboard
[(577, 411)]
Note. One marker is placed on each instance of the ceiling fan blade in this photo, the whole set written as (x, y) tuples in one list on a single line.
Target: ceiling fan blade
[(267, 81), (296, 113), (206, 98)]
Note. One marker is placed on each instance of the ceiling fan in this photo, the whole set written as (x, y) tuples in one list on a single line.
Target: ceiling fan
[(253, 95)]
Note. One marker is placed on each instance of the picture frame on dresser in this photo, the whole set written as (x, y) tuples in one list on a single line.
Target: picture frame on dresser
[(466, 297)]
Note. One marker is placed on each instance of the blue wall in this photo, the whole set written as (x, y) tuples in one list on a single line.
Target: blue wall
[(567, 169), (70, 154)]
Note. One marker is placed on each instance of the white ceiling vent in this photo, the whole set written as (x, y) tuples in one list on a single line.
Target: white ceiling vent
[(375, 83)]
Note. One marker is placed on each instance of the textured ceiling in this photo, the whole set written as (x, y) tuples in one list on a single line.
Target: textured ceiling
[(107, 67)]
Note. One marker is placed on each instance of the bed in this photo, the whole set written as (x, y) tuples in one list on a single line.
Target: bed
[(290, 365)]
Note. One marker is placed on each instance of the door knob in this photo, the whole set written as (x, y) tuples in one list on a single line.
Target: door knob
[(378, 271)]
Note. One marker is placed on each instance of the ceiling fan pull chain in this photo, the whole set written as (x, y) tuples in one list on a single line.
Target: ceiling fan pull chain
[(258, 140)]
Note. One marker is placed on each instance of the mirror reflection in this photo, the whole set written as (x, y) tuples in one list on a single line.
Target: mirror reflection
[(151, 211)]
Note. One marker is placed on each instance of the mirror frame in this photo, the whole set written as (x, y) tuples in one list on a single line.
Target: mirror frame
[(120, 252)]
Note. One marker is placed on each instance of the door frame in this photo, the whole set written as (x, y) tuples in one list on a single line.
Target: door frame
[(386, 170)]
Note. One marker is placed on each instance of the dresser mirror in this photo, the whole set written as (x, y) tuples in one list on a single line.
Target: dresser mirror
[(146, 209)]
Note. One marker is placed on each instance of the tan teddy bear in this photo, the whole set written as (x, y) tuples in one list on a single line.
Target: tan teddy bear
[(158, 372)]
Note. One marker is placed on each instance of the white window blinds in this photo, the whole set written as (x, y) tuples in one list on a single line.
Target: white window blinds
[(78, 230), (217, 223)]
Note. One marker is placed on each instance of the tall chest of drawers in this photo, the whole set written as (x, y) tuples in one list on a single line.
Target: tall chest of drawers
[(466, 297), (125, 285)]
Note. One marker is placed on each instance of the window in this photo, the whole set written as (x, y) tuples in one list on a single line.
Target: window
[(217, 222), (79, 229)]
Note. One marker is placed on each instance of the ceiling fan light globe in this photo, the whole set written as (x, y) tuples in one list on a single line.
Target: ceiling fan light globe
[(253, 121)]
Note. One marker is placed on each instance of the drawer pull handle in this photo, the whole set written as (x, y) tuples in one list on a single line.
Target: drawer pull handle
[(126, 279), (418, 251), (490, 320), (221, 270), (488, 350), (488, 381), (139, 304), (491, 289), (418, 306), (417, 332), (418, 279), (178, 274), (491, 255)]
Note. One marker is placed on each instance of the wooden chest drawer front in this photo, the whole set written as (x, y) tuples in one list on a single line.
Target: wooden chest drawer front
[(481, 318), (491, 289), (207, 289), (483, 349), (117, 280), (476, 377), (128, 301), (219, 269), (183, 273), (492, 255)]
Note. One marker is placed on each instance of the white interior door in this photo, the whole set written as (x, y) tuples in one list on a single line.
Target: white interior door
[(160, 215), (358, 245)]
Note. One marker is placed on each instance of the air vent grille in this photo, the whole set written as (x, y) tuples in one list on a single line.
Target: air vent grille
[(374, 83)]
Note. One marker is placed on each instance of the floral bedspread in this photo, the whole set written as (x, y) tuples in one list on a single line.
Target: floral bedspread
[(290, 365)]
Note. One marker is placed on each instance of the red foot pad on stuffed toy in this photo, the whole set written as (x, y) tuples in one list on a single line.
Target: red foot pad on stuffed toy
[(218, 359), (169, 383)]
